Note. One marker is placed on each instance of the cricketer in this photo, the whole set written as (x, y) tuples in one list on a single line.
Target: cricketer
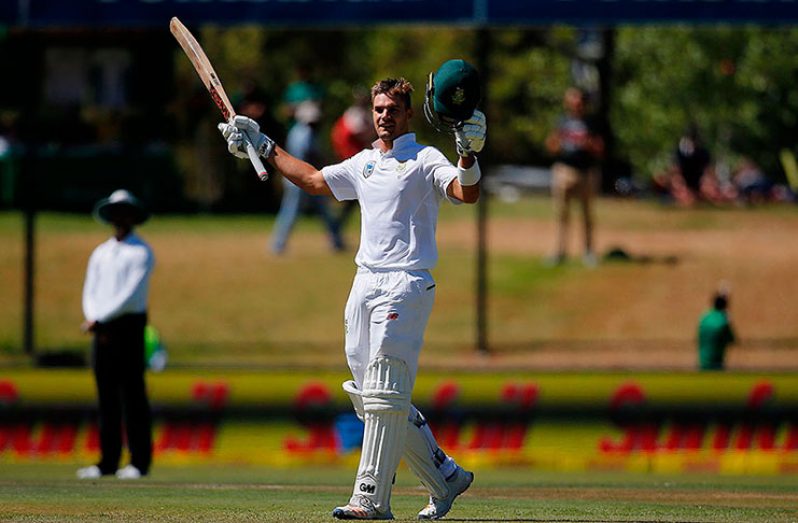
[(399, 184)]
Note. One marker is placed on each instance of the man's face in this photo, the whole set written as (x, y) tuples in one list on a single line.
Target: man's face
[(122, 218), (391, 117)]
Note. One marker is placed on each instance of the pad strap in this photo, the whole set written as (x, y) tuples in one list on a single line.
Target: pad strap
[(423, 455)]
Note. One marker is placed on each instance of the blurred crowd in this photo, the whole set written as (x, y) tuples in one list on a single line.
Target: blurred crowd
[(302, 112), (693, 176)]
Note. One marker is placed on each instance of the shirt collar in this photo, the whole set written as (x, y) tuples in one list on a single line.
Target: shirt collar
[(130, 238), (405, 141)]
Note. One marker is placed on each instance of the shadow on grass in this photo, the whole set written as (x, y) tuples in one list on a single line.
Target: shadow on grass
[(621, 255)]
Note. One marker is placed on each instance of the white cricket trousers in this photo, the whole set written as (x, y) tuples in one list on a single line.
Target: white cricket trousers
[(386, 315)]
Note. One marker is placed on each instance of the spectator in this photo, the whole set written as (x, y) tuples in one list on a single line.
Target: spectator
[(301, 89), (578, 149), (689, 177), (752, 185), (115, 307), (715, 333), (352, 132), (302, 142)]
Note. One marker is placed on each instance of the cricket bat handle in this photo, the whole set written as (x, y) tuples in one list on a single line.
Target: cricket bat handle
[(263, 174)]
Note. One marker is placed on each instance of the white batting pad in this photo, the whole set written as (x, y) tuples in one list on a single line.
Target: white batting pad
[(350, 387), (386, 403), (423, 455)]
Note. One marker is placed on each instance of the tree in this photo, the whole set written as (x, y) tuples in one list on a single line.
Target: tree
[(735, 83)]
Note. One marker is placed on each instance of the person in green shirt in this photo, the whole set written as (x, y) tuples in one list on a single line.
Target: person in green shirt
[(715, 333)]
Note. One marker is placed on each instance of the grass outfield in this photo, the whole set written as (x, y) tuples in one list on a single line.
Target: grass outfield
[(219, 298), (234, 494)]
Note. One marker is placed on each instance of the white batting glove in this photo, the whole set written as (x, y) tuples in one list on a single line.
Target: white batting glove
[(242, 130), (471, 138)]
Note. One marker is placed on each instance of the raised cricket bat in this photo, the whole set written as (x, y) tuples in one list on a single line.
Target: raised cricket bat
[(211, 81)]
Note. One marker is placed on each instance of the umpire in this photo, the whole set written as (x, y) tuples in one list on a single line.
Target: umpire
[(115, 307)]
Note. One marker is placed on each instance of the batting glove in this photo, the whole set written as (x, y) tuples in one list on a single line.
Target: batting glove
[(243, 130), (470, 138)]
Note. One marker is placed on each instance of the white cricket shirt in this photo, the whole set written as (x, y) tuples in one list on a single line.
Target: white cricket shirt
[(399, 192), (117, 279)]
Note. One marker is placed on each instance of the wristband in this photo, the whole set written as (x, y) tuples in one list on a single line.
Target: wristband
[(266, 149), (469, 176)]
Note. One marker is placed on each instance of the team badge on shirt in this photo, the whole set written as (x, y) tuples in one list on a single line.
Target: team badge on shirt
[(401, 167), (368, 169)]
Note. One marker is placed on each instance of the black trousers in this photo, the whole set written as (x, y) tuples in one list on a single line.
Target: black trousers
[(118, 362)]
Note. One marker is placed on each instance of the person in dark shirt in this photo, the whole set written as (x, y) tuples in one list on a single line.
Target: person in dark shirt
[(690, 176), (692, 159), (578, 148), (715, 333)]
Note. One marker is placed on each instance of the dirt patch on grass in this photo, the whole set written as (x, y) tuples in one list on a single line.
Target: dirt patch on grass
[(220, 297), (643, 312)]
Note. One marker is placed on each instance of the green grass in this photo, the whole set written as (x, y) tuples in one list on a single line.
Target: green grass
[(198, 493)]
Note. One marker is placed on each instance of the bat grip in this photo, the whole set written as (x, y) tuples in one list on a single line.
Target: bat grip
[(263, 174)]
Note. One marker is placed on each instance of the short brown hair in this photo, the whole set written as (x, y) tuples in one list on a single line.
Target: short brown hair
[(395, 88)]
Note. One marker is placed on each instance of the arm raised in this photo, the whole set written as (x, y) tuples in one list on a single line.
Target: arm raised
[(470, 139), (299, 172), (243, 130), (466, 186)]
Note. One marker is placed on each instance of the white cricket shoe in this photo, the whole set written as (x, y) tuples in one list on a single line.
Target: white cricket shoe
[(90, 472), (360, 508), (128, 472), (458, 483)]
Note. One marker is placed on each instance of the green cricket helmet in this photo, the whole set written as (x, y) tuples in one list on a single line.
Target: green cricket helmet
[(452, 94)]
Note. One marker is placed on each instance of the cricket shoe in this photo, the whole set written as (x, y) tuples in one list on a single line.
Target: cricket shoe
[(90, 472), (439, 507), (128, 472), (360, 508)]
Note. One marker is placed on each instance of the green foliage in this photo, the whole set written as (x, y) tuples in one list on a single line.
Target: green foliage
[(527, 72), (528, 75), (735, 83)]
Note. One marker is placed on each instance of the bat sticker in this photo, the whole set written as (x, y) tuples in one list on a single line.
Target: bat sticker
[(219, 103)]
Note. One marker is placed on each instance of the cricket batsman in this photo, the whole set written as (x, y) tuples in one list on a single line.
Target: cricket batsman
[(399, 184)]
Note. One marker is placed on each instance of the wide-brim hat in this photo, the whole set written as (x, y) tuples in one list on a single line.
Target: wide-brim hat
[(457, 90), (104, 209)]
